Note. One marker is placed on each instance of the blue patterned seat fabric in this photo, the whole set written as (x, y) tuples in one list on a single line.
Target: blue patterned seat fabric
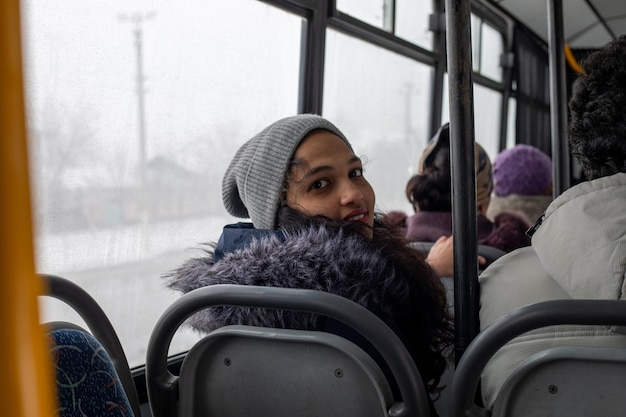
[(86, 381)]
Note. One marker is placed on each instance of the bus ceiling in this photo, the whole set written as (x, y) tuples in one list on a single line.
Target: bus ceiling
[(589, 24)]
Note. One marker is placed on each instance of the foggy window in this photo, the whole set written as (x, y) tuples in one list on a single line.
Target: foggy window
[(380, 100), (134, 111)]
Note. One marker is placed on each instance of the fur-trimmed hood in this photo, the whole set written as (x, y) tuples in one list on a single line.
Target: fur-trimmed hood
[(317, 258), (531, 207)]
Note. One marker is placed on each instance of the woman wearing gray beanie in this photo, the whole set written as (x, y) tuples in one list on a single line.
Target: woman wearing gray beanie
[(314, 227)]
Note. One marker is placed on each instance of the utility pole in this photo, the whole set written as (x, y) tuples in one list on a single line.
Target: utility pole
[(137, 20)]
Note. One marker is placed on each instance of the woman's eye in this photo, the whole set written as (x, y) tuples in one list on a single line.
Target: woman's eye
[(319, 184), (358, 172)]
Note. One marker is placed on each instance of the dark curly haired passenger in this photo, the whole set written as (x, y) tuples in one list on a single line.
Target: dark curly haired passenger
[(597, 130)]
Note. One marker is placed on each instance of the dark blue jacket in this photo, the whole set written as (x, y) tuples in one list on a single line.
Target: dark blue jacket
[(240, 235)]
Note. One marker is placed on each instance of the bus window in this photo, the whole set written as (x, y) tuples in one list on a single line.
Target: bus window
[(510, 131), (408, 21), (487, 48), (381, 99), (412, 22), (131, 110), (378, 13), (486, 126)]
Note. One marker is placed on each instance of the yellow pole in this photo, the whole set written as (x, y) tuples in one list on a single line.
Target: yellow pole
[(571, 60), (27, 374)]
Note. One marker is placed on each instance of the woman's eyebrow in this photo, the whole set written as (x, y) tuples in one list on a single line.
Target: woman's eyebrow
[(354, 159), (326, 168), (316, 170)]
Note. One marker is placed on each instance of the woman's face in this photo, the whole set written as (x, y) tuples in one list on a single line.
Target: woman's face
[(328, 180)]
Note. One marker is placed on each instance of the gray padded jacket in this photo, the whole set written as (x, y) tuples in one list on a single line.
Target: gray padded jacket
[(579, 251)]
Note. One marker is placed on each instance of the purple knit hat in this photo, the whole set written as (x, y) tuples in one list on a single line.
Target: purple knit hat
[(523, 170)]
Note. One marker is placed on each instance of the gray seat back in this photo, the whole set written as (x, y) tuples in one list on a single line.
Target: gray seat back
[(490, 253), (257, 371), (281, 373), (575, 381), (555, 378)]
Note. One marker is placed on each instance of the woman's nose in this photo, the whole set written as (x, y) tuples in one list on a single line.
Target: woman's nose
[(350, 193)]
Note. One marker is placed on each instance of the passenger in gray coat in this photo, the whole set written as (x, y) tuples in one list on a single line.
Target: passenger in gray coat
[(579, 246)]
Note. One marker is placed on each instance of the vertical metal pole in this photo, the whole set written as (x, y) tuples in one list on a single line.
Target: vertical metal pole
[(141, 108), (504, 112), (143, 192), (27, 369), (389, 16), (458, 29), (311, 90), (137, 19), (558, 99), (437, 26)]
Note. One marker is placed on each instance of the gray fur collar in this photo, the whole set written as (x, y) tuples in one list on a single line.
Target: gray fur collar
[(316, 258)]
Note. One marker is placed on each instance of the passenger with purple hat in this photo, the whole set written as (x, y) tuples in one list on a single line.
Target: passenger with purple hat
[(522, 177)]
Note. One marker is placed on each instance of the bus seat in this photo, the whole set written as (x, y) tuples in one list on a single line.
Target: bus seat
[(327, 373), (87, 383), (101, 332), (490, 253), (573, 380), (558, 378), (242, 370)]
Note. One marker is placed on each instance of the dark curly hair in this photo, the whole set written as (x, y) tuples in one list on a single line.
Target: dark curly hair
[(597, 130), (422, 317), (432, 190)]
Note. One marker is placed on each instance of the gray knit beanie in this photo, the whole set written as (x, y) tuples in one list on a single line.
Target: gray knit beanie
[(254, 180)]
